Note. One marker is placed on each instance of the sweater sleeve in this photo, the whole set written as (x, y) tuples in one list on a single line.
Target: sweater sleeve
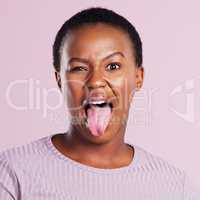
[(9, 186), (190, 190)]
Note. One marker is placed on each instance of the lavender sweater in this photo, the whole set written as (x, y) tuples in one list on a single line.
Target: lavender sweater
[(38, 171)]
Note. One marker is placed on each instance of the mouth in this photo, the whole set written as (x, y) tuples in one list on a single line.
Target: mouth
[(100, 104), (98, 114)]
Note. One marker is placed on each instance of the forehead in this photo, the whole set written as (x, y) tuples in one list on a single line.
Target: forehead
[(97, 40)]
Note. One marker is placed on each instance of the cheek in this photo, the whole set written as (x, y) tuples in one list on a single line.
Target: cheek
[(73, 92), (123, 87)]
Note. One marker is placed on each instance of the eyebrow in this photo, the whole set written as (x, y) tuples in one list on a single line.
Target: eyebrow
[(87, 61)]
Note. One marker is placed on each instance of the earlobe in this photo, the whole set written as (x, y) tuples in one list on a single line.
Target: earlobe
[(58, 80), (139, 77)]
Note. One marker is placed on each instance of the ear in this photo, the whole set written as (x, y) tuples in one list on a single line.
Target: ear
[(139, 77), (58, 79)]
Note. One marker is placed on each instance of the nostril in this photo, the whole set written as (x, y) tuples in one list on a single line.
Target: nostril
[(95, 85), (95, 81)]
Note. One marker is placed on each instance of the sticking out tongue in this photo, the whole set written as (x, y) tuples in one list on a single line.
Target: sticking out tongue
[(98, 119)]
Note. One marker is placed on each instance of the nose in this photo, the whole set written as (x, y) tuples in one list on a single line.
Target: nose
[(95, 80)]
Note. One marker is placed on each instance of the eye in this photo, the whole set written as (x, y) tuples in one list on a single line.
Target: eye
[(78, 69), (113, 66)]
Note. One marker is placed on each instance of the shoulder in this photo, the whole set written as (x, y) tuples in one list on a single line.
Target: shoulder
[(156, 165), (13, 161), (165, 175), (25, 152), (191, 191)]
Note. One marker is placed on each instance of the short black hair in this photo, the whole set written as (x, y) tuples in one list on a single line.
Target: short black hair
[(94, 15)]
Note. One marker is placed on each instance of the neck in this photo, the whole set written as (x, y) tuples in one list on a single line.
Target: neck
[(100, 154)]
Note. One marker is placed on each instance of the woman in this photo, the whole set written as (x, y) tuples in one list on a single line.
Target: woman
[(98, 67)]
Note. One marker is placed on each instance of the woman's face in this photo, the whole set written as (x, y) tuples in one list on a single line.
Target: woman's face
[(98, 67)]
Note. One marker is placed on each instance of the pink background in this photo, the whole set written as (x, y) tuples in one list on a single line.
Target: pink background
[(165, 118)]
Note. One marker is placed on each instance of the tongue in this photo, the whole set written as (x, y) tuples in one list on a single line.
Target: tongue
[(98, 119)]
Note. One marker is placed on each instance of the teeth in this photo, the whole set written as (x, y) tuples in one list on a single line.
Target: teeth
[(96, 102)]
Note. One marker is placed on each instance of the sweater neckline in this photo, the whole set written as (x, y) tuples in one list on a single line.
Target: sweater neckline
[(85, 167)]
